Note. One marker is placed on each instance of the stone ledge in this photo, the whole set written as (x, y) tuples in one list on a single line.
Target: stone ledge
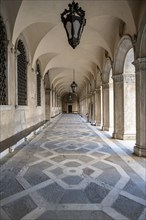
[(13, 140)]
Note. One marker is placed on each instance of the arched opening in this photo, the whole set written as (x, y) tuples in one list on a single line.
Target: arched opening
[(70, 103), (129, 95), (124, 90)]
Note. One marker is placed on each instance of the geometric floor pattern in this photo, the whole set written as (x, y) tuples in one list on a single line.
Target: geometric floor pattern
[(73, 171)]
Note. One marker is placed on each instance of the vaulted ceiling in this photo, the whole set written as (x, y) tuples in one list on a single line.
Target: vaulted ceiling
[(39, 21)]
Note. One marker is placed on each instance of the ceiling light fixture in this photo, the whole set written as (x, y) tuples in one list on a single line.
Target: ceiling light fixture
[(74, 22), (74, 84)]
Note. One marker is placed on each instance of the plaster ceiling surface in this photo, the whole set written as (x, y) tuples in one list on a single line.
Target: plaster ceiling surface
[(39, 21)]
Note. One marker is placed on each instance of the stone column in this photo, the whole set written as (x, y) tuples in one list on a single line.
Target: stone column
[(118, 106), (105, 106), (47, 104), (51, 103), (92, 107), (94, 103), (140, 66), (124, 106), (89, 105), (98, 106), (111, 107)]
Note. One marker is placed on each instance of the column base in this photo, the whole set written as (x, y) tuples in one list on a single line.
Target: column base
[(140, 151), (124, 136), (98, 123), (105, 128)]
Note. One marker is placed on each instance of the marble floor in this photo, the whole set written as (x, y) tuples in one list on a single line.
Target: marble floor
[(73, 171)]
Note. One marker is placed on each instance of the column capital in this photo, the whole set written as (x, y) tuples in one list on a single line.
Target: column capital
[(129, 78), (97, 90), (140, 64), (118, 78), (105, 85), (47, 90)]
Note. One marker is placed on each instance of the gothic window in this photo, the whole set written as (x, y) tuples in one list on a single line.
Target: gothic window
[(38, 85), (3, 64), (22, 74)]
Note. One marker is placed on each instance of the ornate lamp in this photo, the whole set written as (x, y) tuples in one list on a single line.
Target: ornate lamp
[(74, 22), (74, 84)]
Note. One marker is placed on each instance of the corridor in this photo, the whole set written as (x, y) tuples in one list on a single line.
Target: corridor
[(73, 171)]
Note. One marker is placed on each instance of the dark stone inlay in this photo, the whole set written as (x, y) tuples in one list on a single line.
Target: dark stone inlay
[(103, 166), (72, 164), (58, 171), (59, 158), (132, 188), (42, 165), (85, 158), (110, 177), (82, 151), (97, 154), (96, 193), (72, 180), (74, 215), (19, 208), (128, 208), (52, 193), (9, 186), (88, 171), (71, 147), (45, 154), (74, 196), (34, 175), (92, 146)]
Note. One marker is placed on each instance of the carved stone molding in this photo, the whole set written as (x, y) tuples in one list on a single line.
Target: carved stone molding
[(97, 90), (129, 78), (105, 86), (140, 65), (47, 90), (118, 78)]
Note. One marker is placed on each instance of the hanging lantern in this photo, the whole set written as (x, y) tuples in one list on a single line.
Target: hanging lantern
[(74, 22), (74, 84), (74, 87)]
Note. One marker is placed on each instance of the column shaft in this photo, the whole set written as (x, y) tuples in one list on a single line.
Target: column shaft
[(140, 148)]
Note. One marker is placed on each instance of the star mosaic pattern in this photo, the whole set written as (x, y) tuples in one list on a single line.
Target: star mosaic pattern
[(73, 171)]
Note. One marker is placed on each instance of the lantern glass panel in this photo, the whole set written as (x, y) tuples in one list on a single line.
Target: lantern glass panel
[(68, 28), (76, 26)]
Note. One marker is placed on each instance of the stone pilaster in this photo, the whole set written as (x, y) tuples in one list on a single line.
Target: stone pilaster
[(105, 106), (140, 66), (47, 104), (124, 106), (98, 107), (118, 107)]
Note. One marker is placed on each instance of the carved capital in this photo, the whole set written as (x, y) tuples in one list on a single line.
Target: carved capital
[(118, 78), (47, 90), (105, 85), (129, 78), (97, 90), (140, 65)]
